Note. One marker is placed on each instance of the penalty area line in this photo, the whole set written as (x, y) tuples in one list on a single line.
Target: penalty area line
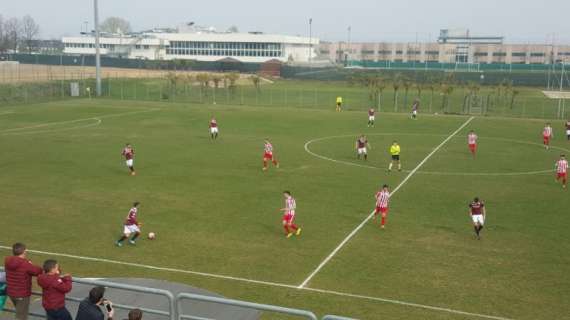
[(259, 282), (351, 234)]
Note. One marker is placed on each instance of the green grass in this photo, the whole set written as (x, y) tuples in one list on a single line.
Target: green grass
[(65, 189)]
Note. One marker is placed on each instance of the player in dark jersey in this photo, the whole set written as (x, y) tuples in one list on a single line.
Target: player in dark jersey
[(567, 125), (361, 147), (477, 214), (131, 226)]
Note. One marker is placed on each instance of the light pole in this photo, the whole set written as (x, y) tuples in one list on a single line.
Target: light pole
[(97, 51), (348, 46), (310, 42)]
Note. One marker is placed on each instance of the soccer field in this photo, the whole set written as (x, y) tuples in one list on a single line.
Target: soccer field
[(66, 190)]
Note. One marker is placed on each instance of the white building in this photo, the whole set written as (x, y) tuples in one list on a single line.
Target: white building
[(201, 46)]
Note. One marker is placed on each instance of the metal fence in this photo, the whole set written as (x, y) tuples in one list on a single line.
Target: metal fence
[(175, 310)]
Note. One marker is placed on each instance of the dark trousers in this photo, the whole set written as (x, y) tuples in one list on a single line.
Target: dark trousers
[(59, 314)]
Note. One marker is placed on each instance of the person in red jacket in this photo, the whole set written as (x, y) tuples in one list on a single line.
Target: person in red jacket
[(19, 273), (54, 287)]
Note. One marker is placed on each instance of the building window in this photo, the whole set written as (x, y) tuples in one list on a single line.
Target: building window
[(399, 51), (519, 54), (367, 51), (537, 54), (481, 54), (432, 52), (499, 54)]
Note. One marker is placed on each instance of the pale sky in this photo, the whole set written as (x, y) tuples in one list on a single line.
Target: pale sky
[(370, 20)]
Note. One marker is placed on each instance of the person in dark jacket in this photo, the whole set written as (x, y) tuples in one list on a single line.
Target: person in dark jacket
[(54, 287), (89, 308), (19, 273)]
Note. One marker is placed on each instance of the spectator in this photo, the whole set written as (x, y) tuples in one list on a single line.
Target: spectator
[(2, 290), (19, 272), (89, 308), (54, 287), (135, 314)]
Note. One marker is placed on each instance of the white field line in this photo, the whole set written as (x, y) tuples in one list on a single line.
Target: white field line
[(6, 112), (350, 235), (439, 173), (89, 125), (75, 120), (266, 283), (144, 266), (408, 304)]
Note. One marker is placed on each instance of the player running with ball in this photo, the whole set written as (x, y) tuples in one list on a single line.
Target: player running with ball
[(131, 226), (562, 170), (477, 213), (289, 215), (382, 199), (361, 145)]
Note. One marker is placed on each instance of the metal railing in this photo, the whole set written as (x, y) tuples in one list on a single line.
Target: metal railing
[(237, 303), (175, 303)]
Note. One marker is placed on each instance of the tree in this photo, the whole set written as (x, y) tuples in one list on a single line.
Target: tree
[(256, 80), (396, 83), (3, 45), (115, 25), (233, 29), (204, 79), (232, 77), (30, 31), (13, 33)]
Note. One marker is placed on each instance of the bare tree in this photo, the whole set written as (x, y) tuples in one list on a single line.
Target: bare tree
[(30, 31), (13, 33), (115, 25), (233, 29), (2, 35)]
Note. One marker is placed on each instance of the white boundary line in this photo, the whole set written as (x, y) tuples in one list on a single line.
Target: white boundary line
[(350, 235), (6, 131), (521, 173), (24, 132), (6, 112), (266, 283)]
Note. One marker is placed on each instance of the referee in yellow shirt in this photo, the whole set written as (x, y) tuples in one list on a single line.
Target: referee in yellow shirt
[(338, 103), (395, 153)]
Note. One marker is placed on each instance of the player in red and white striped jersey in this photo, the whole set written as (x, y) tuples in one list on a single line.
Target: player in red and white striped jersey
[(562, 170), (131, 226), (268, 155), (472, 141), (129, 154), (213, 128), (382, 200), (289, 215), (547, 134)]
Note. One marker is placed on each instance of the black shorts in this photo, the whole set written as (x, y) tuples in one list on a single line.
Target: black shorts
[(339, 104), (396, 157)]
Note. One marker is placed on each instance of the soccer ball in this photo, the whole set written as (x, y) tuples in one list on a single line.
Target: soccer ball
[(151, 236)]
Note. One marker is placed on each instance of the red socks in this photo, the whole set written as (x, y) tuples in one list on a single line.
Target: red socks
[(383, 220), (286, 227)]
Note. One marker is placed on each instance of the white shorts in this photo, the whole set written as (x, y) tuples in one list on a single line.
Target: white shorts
[(214, 130), (415, 112), (478, 218), (131, 229), (361, 150), (129, 162), (568, 132), (370, 118)]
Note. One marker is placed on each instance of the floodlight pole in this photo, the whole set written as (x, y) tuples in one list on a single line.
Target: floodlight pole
[(560, 111), (97, 51), (310, 42), (349, 47)]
